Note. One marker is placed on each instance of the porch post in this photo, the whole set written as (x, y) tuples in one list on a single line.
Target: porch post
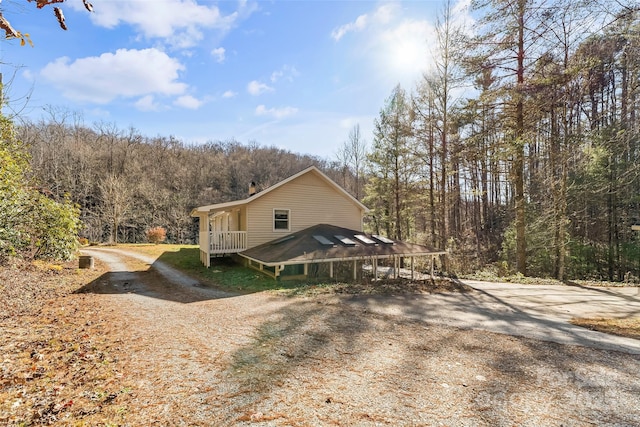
[(208, 263)]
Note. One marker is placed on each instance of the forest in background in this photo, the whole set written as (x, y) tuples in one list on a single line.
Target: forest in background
[(536, 172)]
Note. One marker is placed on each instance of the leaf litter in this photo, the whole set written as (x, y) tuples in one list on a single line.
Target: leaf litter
[(57, 366)]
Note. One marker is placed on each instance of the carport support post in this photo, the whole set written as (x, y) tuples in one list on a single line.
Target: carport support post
[(411, 268), (375, 269), (331, 269), (355, 270), (396, 267), (432, 264)]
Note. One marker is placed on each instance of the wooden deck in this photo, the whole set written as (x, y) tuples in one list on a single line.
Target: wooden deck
[(227, 242)]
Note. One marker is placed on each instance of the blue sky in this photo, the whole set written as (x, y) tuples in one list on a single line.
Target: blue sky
[(292, 74)]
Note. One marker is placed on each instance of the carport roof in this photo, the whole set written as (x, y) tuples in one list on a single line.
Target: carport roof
[(324, 243)]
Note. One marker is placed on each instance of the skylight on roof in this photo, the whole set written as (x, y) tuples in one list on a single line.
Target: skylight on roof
[(383, 239), (345, 240), (323, 240), (365, 239)]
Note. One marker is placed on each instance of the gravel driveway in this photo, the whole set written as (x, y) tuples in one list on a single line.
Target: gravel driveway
[(533, 311), (195, 356)]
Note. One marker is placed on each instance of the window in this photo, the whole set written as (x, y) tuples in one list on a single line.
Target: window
[(281, 219), (323, 240), (345, 240), (383, 239), (364, 239)]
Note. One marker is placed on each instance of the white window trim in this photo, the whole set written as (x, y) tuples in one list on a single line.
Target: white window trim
[(273, 221)]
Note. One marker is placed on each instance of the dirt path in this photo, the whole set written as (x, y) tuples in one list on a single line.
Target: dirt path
[(179, 284), (195, 356)]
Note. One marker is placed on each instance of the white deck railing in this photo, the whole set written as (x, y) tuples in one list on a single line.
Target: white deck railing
[(227, 242)]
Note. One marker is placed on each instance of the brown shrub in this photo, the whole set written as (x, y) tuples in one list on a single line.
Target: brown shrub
[(156, 235)]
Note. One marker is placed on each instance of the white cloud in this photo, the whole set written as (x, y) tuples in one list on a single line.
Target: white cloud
[(147, 103), (229, 94), (287, 72), (358, 25), (256, 88), (188, 101), (125, 73), (381, 16), (385, 13), (276, 113), (462, 18), (180, 22), (218, 54), (98, 113), (349, 122)]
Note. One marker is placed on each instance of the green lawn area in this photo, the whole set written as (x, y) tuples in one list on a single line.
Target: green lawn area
[(223, 274)]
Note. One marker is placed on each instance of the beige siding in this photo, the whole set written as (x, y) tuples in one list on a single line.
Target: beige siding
[(234, 220), (310, 200), (243, 219), (232, 217)]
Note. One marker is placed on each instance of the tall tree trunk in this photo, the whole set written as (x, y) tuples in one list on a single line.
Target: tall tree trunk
[(518, 163), (443, 185), (397, 202)]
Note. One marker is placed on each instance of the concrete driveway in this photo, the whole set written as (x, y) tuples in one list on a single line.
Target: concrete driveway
[(534, 311)]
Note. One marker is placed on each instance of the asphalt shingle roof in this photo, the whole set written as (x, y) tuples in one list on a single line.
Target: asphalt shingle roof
[(302, 247)]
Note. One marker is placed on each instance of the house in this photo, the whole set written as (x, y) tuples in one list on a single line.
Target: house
[(302, 225)]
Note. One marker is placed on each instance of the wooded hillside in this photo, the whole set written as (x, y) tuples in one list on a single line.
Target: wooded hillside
[(126, 183)]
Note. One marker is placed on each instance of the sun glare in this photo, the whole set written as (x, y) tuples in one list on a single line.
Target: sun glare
[(409, 54), (405, 51)]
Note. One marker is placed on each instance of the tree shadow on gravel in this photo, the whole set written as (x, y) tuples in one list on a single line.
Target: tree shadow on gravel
[(291, 347), (606, 291), (316, 363), (483, 310), (541, 383)]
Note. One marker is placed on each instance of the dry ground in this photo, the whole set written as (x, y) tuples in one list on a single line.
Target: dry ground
[(57, 359), (135, 350), (628, 327)]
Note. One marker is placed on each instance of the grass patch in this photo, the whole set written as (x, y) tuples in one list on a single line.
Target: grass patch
[(629, 327), (223, 274)]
